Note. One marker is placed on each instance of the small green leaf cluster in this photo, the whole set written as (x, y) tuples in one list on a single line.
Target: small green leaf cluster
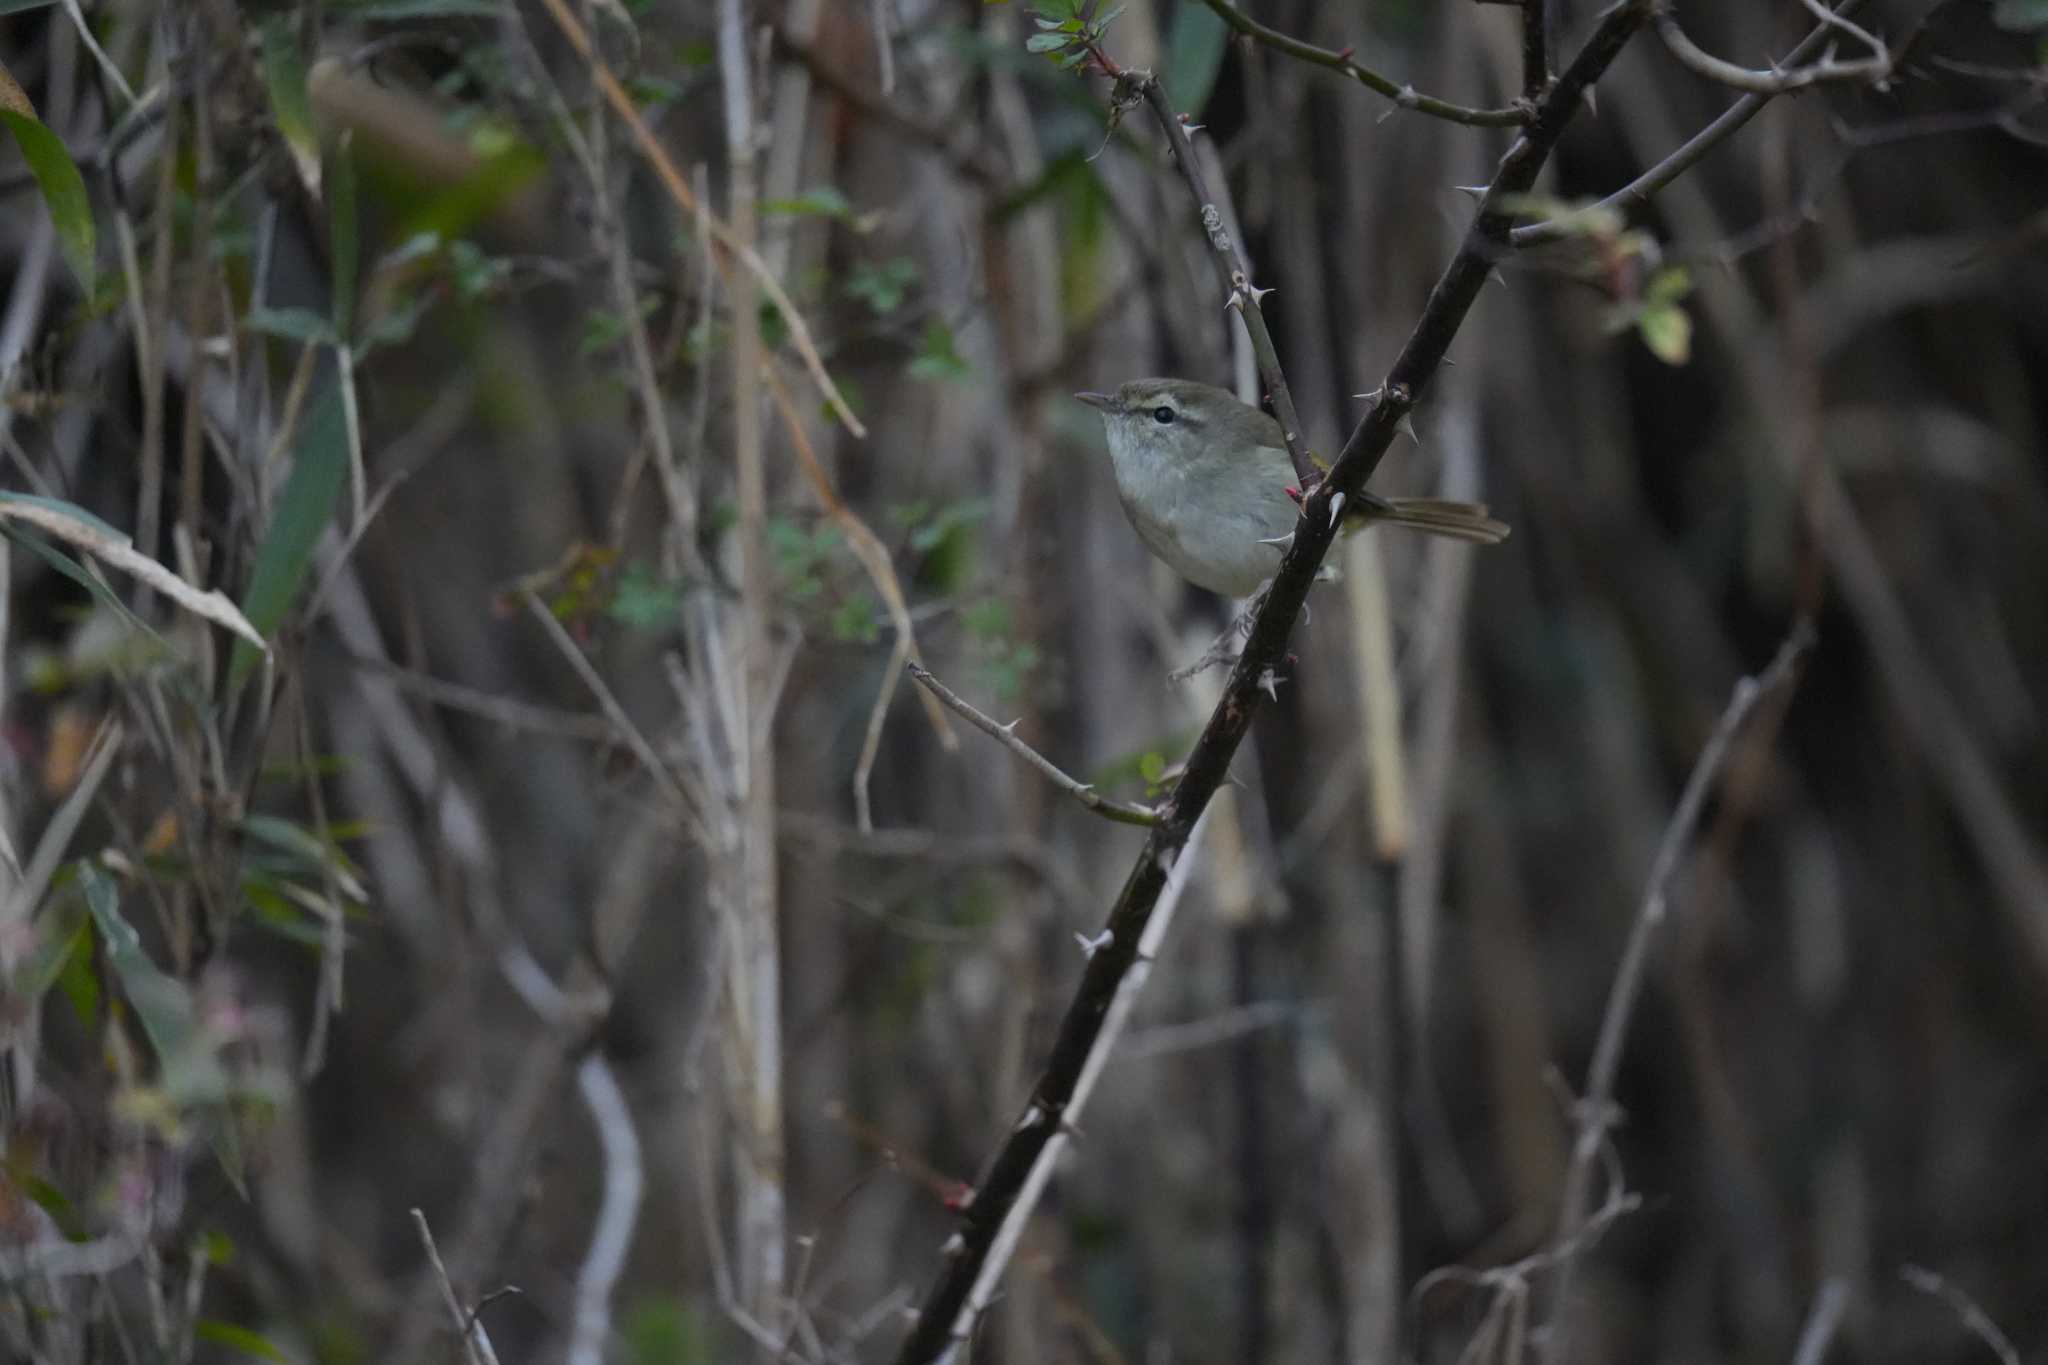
[(1067, 33)]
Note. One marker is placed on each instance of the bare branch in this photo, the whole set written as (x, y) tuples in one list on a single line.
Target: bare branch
[(476, 1342), (1595, 1108), (1966, 1308), (1231, 269), (1691, 153), (1401, 94), (1123, 812), (1778, 80), (1821, 1321)]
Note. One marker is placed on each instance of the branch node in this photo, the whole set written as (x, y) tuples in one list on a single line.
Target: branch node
[(1212, 223)]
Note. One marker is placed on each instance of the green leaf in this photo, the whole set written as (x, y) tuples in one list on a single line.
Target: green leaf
[(343, 227), (319, 469), (853, 621), (63, 191), (1046, 42), (293, 324), (644, 600), (665, 1332), (1668, 285), (1666, 329), (77, 977), (238, 1339), (161, 1002), (284, 76), (52, 1201), (938, 357), (882, 286), (8, 7), (824, 201), (1194, 55)]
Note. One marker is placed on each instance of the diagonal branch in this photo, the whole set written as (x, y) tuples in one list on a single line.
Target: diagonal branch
[(1596, 1111), (945, 1319), (1230, 264), (1123, 812), (1405, 96)]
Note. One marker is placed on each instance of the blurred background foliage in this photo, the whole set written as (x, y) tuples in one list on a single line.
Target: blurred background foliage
[(359, 312)]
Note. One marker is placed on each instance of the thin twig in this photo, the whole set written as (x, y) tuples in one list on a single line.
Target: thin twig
[(1821, 1321), (628, 733), (1973, 1316), (509, 712), (1596, 1111), (476, 1342), (1341, 62), (672, 180), (1123, 812), (1231, 270)]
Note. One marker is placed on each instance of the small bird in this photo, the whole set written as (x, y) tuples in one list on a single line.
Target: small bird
[(1204, 480)]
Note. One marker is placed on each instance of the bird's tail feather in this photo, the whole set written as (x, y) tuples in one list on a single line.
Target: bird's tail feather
[(1443, 517)]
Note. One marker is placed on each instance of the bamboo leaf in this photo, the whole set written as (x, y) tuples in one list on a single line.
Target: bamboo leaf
[(57, 176), (79, 527), (304, 508)]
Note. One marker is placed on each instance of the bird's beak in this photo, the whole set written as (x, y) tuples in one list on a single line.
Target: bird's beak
[(1105, 401)]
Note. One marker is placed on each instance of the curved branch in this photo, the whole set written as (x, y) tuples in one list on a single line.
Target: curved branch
[(1690, 154), (1778, 80), (1406, 96)]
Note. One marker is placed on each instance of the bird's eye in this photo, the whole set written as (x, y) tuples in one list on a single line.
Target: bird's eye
[(1162, 414)]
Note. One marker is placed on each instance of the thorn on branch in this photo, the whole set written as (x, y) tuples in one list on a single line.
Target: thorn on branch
[(1091, 946)]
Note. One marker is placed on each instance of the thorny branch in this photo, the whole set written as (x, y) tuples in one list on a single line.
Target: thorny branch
[(1341, 62), (1123, 812), (942, 1324), (1238, 290), (1778, 80), (1694, 150)]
